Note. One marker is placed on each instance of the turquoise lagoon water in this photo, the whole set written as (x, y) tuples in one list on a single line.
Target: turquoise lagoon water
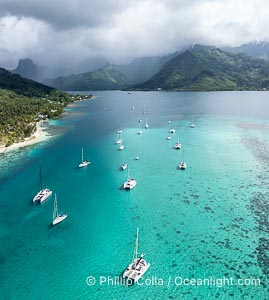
[(209, 221)]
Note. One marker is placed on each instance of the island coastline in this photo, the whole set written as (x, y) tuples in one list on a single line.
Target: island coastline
[(40, 134)]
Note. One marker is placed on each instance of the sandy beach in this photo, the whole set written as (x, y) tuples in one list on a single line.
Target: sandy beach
[(39, 136)]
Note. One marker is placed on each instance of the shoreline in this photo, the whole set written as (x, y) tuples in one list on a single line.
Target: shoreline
[(38, 136)]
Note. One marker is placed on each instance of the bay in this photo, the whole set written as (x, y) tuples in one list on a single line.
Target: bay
[(209, 221)]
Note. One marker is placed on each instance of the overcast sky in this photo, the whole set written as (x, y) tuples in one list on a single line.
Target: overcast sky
[(58, 31)]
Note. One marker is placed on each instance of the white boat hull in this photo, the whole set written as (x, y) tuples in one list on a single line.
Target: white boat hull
[(118, 142), (135, 272), (42, 195), (59, 219), (84, 164), (182, 166), (123, 166), (129, 184)]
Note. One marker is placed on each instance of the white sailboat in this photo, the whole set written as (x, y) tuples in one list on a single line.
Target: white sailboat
[(119, 137), (144, 112), (120, 140), (124, 166), (192, 125), (43, 194), (57, 218), (140, 131), (183, 164), (172, 130), (121, 146), (138, 267), (84, 163), (147, 124), (130, 183), (178, 145)]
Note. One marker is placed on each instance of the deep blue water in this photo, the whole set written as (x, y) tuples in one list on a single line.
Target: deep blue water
[(209, 220)]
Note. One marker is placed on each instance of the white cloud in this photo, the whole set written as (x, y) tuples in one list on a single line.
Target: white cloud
[(67, 31)]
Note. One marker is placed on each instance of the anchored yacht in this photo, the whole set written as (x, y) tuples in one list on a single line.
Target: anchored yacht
[(57, 218), (84, 163), (124, 166), (43, 194), (130, 183), (138, 267)]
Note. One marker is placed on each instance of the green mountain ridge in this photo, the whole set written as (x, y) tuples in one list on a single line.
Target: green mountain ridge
[(256, 49), (106, 78), (112, 77), (209, 69), (199, 68)]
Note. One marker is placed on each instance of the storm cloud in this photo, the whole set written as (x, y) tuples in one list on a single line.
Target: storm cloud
[(67, 32)]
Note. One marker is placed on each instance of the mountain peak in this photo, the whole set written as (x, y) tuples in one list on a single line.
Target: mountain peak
[(27, 69), (209, 68)]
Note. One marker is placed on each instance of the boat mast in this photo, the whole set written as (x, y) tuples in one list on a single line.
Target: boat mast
[(128, 177), (55, 210), (40, 177), (136, 246), (82, 154)]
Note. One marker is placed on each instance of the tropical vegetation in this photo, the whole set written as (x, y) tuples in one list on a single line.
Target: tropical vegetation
[(23, 103)]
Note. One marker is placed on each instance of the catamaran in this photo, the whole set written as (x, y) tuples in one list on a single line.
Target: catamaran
[(43, 194), (130, 183), (183, 164), (84, 163), (138, 267), (178, 145), (57, 218), (124, 166)]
